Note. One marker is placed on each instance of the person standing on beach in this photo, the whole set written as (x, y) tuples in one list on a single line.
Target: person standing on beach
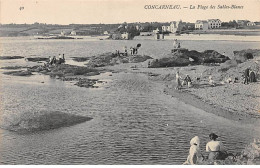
[(60, 59), (175, 43), (50, 60), (178, 80), (125, 51), (246, 75), (131, 50), (63, 58), (252, 77)]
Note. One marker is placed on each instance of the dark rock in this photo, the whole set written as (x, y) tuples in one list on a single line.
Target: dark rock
[(183, 57), (80, 59), (244, 55), (109, 59), (43, 120), (37, 59), (87, 83), (18, 73), (13, 67), (10, 57)]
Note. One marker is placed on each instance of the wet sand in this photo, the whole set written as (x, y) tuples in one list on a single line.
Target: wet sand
[(236, 101)]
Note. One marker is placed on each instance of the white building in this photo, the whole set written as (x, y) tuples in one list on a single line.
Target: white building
[(173, 28), (250, 24), (125, 35), (73, 33), (166, 28), (201, 25), (156, 30), (214, 23), (62, 33), (138, 27)]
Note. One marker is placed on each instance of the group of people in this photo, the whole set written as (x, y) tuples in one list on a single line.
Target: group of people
[(133, 50), (187, 81), (53, 60), (214, 148), (249, 76)]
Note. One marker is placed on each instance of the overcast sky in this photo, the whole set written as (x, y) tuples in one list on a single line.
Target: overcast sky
[(118, 11)]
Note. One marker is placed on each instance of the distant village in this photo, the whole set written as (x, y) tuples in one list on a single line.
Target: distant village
[(125, 30)]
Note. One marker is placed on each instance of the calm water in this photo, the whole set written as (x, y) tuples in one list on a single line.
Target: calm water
[(133, 121)]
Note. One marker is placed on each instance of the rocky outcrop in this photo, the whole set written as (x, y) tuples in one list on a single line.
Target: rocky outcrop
[(110, 59), (42, 120), (80, 59), (37, 59), (64, 70), (18, 73), (184, 57), (10, 57), (13, 67), (244, 55)]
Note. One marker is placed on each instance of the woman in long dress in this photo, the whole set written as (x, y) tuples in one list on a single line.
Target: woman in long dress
[(194, 153), (252, 77), (178, 80)]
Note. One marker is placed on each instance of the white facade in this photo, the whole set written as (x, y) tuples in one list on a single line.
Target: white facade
[(166, 28), (156, 30), (138, 27), (201, 25), (125, 36), (250, 24), (62, 33), (214, 23), (73, 33), (173, 27)]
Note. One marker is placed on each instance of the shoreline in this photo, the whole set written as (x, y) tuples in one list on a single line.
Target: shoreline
[(204, 37), (197, 102), (192, 96)]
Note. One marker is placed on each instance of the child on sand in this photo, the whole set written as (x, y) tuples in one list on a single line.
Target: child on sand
[(211, 81), (187, 81)]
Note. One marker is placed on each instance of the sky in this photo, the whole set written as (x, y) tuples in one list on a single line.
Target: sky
[(118, 11)]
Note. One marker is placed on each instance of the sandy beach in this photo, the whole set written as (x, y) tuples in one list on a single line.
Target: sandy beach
[(235, 101)]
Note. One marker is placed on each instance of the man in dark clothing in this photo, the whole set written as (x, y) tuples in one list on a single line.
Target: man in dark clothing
[(246, 74), (252, 77)]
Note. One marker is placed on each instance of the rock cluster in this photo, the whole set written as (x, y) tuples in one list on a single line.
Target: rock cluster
[(244, 55), (184, 57), (41, 120), (110, 59)]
